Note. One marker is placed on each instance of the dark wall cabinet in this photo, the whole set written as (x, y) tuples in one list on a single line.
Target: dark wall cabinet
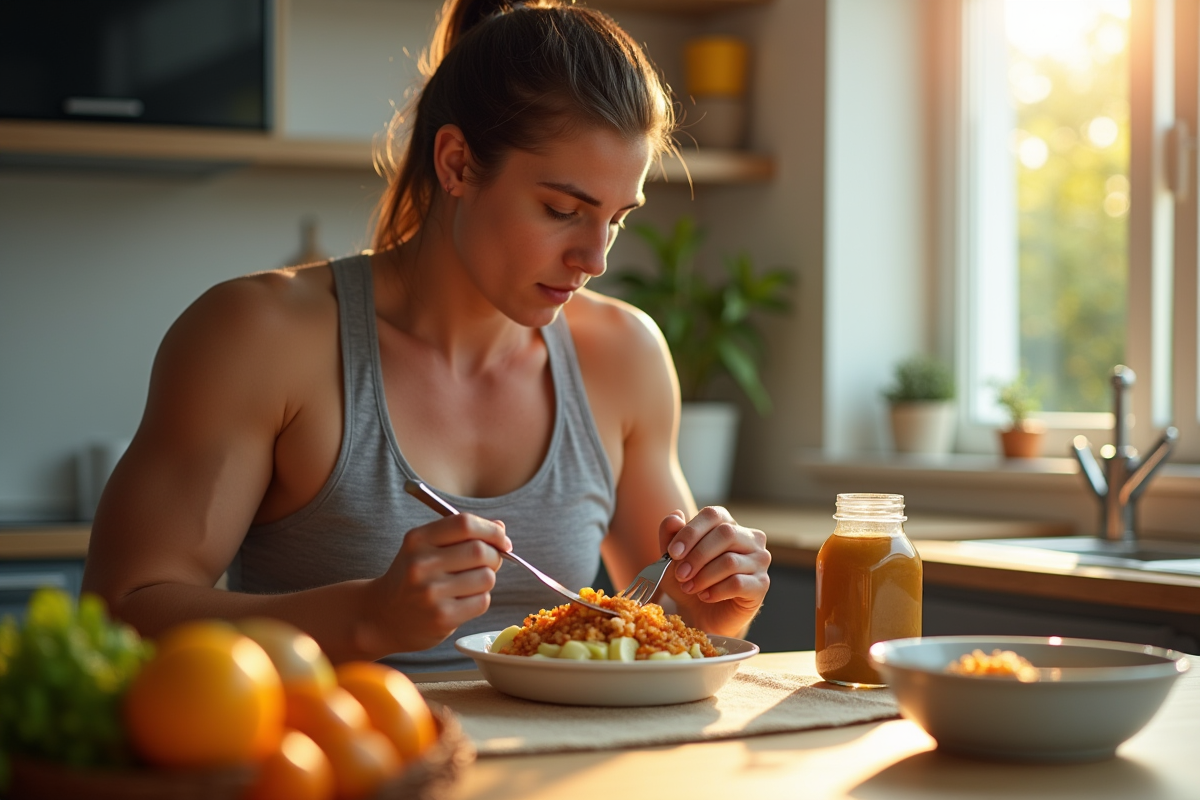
[(20, 578)]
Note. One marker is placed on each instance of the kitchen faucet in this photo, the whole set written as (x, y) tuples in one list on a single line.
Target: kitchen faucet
[(1125, 476)]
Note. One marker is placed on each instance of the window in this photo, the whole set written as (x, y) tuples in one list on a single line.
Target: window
[(1068, 263)]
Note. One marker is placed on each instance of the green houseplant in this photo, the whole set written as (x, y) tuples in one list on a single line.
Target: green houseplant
[(710, 328), (921, 402), (1023, 437)]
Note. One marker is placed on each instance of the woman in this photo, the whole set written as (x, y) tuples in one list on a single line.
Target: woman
[(287, 408)]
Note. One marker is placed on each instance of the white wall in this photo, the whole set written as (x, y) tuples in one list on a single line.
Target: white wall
[(781, 223), (345, 62), (93, 269), (94, 266), (876, 206)]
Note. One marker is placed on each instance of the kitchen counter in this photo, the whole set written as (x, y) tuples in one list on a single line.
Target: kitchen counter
[(795, 534), (893, 760), (59, 540)]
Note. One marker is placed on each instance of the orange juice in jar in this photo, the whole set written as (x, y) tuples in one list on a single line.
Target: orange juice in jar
[(868, 587)]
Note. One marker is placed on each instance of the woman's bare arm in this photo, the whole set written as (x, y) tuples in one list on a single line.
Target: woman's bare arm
[(719, 577), (226, 383)]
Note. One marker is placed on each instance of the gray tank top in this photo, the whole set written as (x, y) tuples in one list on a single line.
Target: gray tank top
[(354, 526)]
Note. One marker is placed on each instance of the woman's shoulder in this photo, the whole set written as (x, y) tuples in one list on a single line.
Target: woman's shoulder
[(622, 355), (262, 303), (254, 328), (612, 327)]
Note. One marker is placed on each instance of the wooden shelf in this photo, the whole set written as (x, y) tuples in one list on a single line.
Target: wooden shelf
[(715, 167), (131, 145), (81, 140)]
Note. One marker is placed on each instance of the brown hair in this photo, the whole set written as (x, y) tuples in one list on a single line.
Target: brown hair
[(516, 76)]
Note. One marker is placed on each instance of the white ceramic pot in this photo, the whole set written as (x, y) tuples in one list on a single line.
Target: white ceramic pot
[(923, 426), (707, 442)]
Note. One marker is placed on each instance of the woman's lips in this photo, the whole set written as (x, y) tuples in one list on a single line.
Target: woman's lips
[(558, 294)]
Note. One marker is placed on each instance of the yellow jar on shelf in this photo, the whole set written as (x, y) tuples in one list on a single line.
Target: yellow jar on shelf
[(716, 65)]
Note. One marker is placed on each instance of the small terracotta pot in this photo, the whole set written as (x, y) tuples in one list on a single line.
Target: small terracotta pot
[(1024, 441)]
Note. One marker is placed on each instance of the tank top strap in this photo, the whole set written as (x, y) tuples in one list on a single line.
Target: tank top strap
[(568, 380)]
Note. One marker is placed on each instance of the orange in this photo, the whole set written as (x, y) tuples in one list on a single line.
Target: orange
[(326, 716), (362, 757), (393, 704), (362, 761), (209, 697), (298, 770), (207, 631), (296, 655)]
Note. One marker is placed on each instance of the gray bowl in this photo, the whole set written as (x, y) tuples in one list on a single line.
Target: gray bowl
[(1090, 696)]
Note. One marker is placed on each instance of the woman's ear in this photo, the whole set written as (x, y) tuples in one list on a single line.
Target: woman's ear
[(451, 158)]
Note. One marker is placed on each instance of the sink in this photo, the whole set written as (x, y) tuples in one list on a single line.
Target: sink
[(1146, 554)]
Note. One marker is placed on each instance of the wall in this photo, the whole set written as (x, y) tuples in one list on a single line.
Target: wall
[(95, 265)]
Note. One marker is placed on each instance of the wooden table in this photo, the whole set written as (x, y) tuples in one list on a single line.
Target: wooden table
[(892, 760)]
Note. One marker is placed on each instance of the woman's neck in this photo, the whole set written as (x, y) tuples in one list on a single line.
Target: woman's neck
[(423, 290)]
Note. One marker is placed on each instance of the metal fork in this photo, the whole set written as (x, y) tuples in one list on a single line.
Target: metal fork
[(431, 499), (646, 583)]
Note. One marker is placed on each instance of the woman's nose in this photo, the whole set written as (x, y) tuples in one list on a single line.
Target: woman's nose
[(590, 254)]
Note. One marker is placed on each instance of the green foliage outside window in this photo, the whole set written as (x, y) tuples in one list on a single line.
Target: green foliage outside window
[(1073, 222)]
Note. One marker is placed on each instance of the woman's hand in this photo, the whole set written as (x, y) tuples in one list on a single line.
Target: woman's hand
[(720, 564), (441, 577)]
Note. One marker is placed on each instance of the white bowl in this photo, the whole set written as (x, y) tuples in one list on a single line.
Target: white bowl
[(606, 683), (1090, 696)]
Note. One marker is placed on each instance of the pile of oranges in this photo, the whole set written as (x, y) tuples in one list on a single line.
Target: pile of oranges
[(261, 691)]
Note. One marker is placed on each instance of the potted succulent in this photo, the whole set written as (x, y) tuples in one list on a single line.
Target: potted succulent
[(1023, 437), (711, 331), (922, 406)]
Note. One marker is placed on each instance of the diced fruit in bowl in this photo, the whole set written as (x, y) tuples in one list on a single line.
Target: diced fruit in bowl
[(623, 648), (505, 638), (577, 651), (210, 697)]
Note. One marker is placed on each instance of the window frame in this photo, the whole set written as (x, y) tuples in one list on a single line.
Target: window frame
[(1162, 335)]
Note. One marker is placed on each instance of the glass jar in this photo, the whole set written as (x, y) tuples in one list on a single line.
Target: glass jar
[(868, 587)]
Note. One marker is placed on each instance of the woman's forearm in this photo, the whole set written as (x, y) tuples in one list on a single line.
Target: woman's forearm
[(339, 616)]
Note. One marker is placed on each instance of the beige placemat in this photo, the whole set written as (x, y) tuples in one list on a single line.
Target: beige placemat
[(754, 701)]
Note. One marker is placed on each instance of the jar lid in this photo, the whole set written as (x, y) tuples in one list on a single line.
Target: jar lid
[(870, 507)]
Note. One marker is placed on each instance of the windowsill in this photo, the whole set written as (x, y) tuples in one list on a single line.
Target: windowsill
[(962, 470)]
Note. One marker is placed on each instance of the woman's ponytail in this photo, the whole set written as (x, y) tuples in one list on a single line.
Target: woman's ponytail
[(456, 18), (514, 75)]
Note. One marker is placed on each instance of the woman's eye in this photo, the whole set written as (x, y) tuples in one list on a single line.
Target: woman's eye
[(559, 215)]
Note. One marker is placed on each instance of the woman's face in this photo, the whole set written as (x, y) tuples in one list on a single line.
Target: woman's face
[(542, 227)]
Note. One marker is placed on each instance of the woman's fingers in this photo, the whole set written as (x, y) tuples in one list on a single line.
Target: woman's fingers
[(670, 525), (461, 528), (732, 576), (716, 559), (442, 576)]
